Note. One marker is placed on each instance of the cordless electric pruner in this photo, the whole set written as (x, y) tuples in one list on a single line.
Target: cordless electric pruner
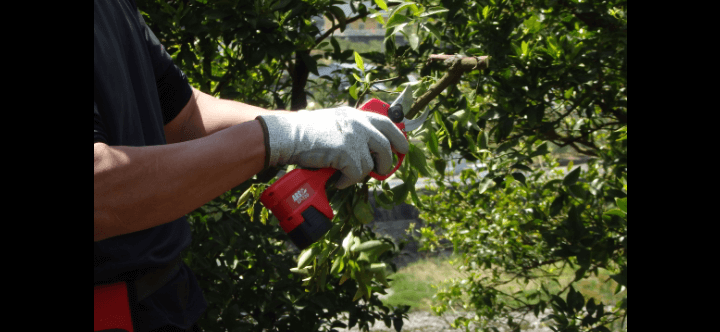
[(298, 199)]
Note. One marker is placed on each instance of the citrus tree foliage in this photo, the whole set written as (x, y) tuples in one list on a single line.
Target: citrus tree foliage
[(557, 74)]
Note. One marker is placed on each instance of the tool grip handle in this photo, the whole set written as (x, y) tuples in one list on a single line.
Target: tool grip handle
[(377, 106)]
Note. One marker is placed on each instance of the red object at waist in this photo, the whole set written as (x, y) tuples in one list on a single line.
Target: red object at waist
[(112, 307)]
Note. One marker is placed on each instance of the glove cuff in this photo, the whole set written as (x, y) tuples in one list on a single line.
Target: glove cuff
[(278, 139), (266, 138)]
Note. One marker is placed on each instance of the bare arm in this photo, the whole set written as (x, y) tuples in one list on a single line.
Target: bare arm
[(205, 115), (138, 188), (213, 146)]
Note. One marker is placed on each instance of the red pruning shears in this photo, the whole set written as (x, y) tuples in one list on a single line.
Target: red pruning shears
[(396, 112), (298, 199)]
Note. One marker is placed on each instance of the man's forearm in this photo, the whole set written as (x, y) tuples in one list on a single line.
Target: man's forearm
[(137, 188), (212, 115)]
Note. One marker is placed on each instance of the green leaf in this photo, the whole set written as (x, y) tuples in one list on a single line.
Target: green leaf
[(622, 203), (542, 149), (471, 142), (505, 146), (577, 191), (381, 4), (363, 212), (571, 177), (568, 93), (383, 200), (433, 30), (550, 184), (520, 177), (440, 165), (578, 47), (359, 293), (621, 278), (306, 256), (416, 200), (418, 160), (580, 273), (483, 140), (532, 24), (485, 12), (215, 14), (485, 184), (413, 8), (309, 62), (398, 323), (353, 91), (557, 205), (433, 12), (413, 40), (335, 45), (433, 143), (281, 4), (521, 167), (396, 20), (615, 212), (244, 197), (340, 16), (358, 78), (525, 48), (359, 62), (400, 193)]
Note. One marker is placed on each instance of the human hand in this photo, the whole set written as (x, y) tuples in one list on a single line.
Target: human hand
[(350, 140)]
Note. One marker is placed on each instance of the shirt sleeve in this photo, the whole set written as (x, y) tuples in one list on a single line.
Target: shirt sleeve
[(100, 134), (173, 87)]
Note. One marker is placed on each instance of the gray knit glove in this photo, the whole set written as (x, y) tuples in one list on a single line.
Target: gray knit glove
[(352, 141)]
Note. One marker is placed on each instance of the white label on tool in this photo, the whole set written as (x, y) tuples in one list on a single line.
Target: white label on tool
[(300, 195)]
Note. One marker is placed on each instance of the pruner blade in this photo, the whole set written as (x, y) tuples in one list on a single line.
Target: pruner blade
[(401, 107), (416, 123), (403, 103)]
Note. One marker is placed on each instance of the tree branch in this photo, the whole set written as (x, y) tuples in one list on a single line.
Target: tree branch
[(458, 65), (335, 27)]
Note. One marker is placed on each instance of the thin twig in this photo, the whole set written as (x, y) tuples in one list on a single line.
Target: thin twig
[(384, 80), (378, 89), (335, 27)]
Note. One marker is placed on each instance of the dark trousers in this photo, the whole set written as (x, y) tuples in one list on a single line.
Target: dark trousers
[(194, 328)]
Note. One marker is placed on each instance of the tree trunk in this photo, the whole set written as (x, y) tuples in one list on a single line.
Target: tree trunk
[(298, 98)]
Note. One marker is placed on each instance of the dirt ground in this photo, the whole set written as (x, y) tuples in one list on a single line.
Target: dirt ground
[(421, 321)]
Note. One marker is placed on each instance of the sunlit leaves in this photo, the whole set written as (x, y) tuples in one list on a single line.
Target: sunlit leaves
[(359, 63), (381, 4)]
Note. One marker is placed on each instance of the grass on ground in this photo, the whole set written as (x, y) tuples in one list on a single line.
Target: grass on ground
[(415, 284)]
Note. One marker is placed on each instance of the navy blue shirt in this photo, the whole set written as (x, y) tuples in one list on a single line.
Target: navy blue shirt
[(137, 91)]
